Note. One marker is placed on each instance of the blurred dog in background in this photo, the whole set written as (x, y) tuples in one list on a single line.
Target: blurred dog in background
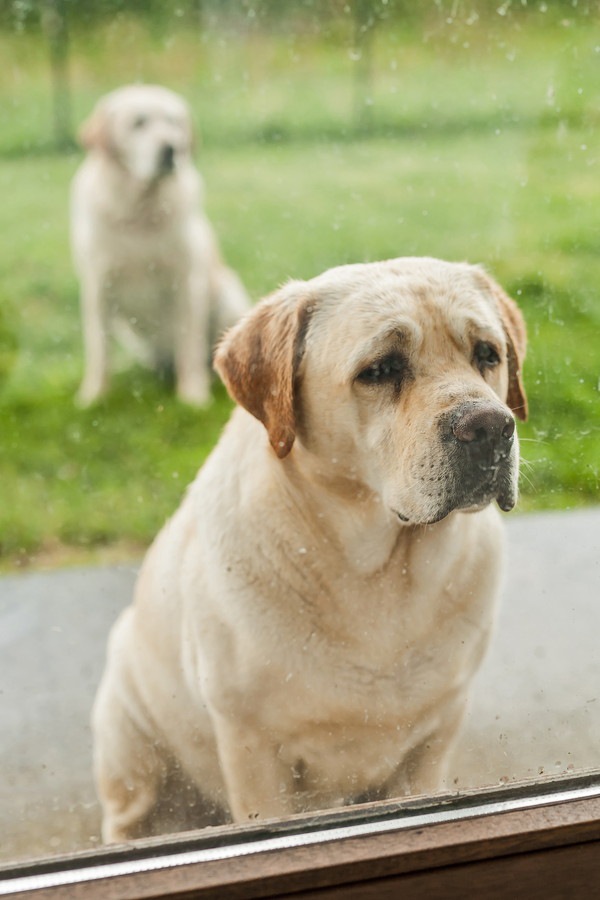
[(147, 257)]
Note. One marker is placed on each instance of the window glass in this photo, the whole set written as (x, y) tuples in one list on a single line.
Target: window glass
[(325, 134)]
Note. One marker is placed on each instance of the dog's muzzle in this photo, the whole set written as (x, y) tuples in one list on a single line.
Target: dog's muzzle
[(481, 439), (485, 428), (166, 159)]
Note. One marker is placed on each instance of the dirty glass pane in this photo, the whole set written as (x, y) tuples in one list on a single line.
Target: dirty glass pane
[(325, 134)]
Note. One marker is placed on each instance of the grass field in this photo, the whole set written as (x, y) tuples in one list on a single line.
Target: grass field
[(486, 152)]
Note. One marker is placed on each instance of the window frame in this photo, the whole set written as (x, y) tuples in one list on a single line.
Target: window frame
[(538, 839)]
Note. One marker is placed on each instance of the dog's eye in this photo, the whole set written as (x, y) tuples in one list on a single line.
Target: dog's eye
[(486, 356), (389, 370), (139, 121)]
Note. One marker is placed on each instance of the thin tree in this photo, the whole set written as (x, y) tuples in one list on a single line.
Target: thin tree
[(55, 24)]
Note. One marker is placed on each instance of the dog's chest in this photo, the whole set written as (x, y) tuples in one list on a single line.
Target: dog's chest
[(397, 647), (356, 699), (352, 649), (341, 667), (139, 252), (142, 284)]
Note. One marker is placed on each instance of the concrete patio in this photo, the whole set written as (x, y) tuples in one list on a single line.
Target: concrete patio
[(535, 710)]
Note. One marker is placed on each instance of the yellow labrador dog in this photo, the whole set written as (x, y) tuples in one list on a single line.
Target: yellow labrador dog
[(306, 626), (147, 257)]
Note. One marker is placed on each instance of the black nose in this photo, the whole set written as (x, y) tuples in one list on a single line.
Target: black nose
[(484, 424), (167, 157)]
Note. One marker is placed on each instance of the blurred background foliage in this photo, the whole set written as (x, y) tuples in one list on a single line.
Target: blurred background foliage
[(330, 132)]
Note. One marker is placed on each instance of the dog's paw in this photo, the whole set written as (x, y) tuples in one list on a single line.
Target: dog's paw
[(195, 394), (89, 394)]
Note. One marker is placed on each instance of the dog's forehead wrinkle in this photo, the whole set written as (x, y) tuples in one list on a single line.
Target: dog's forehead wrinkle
[(450, 296), (342, 335), (408, 315), (463, 317)]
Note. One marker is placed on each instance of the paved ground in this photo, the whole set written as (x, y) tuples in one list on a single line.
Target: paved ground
[(535, 710)]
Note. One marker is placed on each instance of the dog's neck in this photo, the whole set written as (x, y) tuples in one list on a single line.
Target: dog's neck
[(146, 201), (351, 515)]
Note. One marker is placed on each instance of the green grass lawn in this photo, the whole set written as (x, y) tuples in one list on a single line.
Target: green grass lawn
[(489, 155)]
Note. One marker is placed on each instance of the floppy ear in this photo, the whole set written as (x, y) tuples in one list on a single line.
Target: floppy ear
[(516, 334), (94, 131), (258, 361)]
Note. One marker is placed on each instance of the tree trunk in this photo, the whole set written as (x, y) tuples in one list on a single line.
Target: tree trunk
[(364, 25), (56, 29)]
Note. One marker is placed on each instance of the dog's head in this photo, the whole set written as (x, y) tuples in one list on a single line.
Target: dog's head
[(145, 128), (400, 376)]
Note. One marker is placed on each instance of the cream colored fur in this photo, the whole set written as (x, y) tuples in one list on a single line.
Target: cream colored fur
[(147, 256), (293, 643)]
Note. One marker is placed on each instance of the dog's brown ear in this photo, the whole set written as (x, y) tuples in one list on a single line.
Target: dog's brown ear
[(94, 131), (258, 361), (516, 335)]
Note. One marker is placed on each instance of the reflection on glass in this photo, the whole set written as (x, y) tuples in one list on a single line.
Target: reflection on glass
[(332, 135)]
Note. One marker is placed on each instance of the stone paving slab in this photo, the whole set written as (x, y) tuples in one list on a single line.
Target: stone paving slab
[(535, 709)]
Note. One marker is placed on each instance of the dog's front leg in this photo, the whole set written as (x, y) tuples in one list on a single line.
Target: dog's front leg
[(192, 342), (259, 785), (95, 340), (425, 769)]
